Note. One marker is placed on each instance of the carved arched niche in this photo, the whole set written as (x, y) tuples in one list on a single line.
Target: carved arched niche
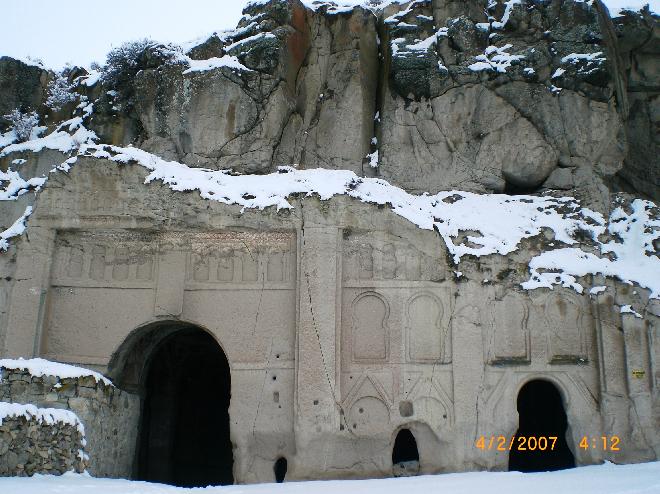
[(566, 321), (508, 336), (427, 330), (370, 331)]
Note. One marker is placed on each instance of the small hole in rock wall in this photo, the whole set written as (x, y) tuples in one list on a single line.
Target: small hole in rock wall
[(279, 469), (406, 408), (361, 410), (274, 378), (514, 189), (316, 402), (276, 396), (405, 455)]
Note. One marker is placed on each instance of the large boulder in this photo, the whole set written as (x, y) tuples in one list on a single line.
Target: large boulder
[(22, 86)]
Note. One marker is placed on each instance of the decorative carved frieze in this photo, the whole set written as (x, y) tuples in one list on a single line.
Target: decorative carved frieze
[(130, 258)]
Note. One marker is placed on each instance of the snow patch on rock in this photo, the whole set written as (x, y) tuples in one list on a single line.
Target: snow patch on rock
[(41, 367), (47, 416), (501, 221), (228, 61), (16, 229)]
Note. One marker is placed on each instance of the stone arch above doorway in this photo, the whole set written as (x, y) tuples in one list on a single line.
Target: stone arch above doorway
[(405, 454), (184, 381)]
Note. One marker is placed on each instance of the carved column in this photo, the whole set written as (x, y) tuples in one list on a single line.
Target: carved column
[(28, 299), (317, 393)]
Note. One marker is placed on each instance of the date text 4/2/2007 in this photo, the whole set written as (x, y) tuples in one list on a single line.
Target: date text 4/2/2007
[(542, 443)]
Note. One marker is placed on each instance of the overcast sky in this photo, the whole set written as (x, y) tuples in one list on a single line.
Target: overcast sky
[(83, 31)]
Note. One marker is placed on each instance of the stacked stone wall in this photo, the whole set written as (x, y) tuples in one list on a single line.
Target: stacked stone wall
[(40, 440), (109, 415)]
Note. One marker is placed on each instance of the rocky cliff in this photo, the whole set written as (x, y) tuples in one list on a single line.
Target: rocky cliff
[(487, 96), (352, 200)]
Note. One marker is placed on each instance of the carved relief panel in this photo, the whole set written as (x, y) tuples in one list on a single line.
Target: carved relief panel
[(566, 322), (104, 259), (218, 259), (428, 335), (395, 335), (507, 335), (129, 258), (370, 313), (378, 256)]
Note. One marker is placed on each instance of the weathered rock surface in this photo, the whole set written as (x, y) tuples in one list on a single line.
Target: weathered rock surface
[(22, 87), (638, 43), (517, 96), (344, 323), (109, 417)]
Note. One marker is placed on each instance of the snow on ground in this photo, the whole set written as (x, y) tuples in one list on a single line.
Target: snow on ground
[(42, 367), (642, 478)]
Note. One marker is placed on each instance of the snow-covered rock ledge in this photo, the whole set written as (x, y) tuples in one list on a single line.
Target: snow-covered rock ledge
[(585, 242)]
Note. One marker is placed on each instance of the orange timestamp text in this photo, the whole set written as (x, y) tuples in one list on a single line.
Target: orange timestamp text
[(605, 443), (519, 443)]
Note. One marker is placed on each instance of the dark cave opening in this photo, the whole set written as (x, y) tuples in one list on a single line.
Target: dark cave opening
[(514, 190), (279, 469), (184, 428), (405, 447), (541, 415)]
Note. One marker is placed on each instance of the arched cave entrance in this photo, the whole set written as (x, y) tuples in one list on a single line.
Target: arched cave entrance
[(541, 415), (405, 455), (184, 380), (279, 469)]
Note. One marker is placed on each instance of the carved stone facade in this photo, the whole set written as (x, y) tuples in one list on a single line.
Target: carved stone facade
[(341, 322)]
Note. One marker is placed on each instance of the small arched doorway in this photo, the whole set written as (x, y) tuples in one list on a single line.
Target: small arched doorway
[(184, 381), (279, 469), (541, 415), (405, 455)]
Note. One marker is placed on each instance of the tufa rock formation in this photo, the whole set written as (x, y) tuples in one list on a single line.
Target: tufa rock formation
[(488, 155)]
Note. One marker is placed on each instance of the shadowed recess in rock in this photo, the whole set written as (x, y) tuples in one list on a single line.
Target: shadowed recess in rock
[(279, 469), (184, 437), (541, 414), (405, 456)]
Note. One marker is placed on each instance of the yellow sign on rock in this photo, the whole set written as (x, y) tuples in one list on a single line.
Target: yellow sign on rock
[(638, 373)]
